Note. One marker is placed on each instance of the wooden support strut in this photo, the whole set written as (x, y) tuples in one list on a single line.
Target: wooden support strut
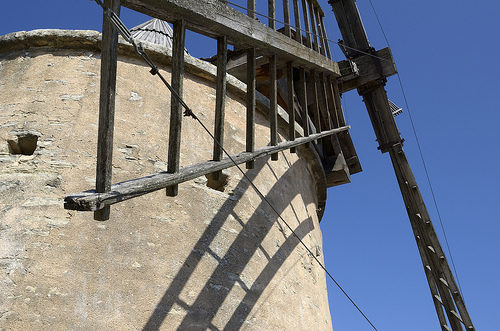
[(251, 103), (174, 142), (220, 101), (91, 201), (109, 63)]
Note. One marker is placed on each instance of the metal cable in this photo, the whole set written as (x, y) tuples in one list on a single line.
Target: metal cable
[(115, 20)]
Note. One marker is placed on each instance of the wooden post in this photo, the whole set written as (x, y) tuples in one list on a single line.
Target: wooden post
[(327, 45), (321, 35), (306, 24), (174, 142), (291, 103), (325, 115), (315, 44), (286, 14), (251, 103), (315, 102), (303, 102), (220, 101), (273, 99), (109, 62), (251, 9), (296, 14), (272, 14)]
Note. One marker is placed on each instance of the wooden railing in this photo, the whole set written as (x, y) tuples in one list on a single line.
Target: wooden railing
[(301, 73)]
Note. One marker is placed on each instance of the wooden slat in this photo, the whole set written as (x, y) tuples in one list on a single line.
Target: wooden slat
[(251, 9), (272, 14), (332, 102), (298, 28), (321, 36), (290, 102), (213, 18), (90, 200), (314, 29), (174, 142), (326, 122), (325, 36), (286, 15), (306, 24), (315, 100), (273, 99), (220, 101), (109, 62), (303, 101), (251, 93)]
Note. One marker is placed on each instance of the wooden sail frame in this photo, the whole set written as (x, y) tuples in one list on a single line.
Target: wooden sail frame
[(317, 110)]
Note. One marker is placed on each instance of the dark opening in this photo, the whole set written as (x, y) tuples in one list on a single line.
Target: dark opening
[(219, 183), (26, 143)]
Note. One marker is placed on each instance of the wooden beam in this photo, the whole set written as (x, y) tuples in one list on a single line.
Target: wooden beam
[(220, 101), (90, 200), (273, 99), (286, 14), (306, 24), (176, 109), (298, 28), (314, 30), (327, 44), (109, 63), (367, 71), (290, 102), (303, 101), (214, 18), (272, 14), (251, 94)]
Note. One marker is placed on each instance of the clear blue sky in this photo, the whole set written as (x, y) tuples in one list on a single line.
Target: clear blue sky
[(446, 54)]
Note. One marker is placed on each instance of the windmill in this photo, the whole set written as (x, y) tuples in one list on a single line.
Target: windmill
[(313, 104)]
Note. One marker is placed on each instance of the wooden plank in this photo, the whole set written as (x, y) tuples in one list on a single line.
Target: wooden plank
[(306, 24), (272, 14), (109, 63), (290, 102), (251, 92), (332, 102), (315, 102), (213, 18), (176, 109), (326, 122), (298, 28), (286, 15), (273, 99), (303, 101), (327, 44), (220, 101), (321, 36), (90, 200), (251, 9), (315, 43)]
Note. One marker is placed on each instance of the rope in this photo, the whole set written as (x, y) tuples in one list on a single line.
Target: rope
[(115, 20), (422, 158)]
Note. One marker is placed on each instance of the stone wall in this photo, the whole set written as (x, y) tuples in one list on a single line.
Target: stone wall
[(208, 259)]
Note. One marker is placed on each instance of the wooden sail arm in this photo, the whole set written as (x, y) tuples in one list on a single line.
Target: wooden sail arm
[(444, 290)]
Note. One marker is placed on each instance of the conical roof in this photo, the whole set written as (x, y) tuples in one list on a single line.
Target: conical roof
[(154, 31)]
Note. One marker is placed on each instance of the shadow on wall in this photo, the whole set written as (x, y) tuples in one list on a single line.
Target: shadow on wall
[(226, 276)]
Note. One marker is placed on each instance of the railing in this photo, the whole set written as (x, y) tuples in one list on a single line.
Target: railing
[(300, 72)]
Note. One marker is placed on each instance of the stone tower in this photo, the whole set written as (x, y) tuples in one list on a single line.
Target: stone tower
[(214, 257)]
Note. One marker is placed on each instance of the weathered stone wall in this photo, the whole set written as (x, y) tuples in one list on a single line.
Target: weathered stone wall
[(206, 259)]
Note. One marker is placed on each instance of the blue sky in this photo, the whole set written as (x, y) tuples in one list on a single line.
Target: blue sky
[(446, 54)]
